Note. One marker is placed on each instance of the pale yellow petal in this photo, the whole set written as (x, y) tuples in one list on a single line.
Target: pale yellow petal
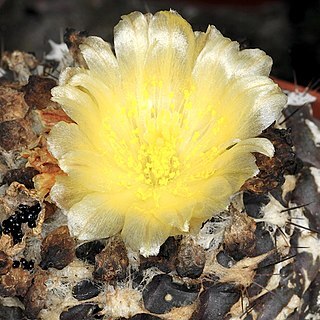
[(85, 97), (238, 164), (109, 105), (237, 109), (236, 94), (131, 45), (250, 62), (101, 61), (94, 107), (65, 137), (68, 73), (67, 191), (92, 218), (145, 233), (79, 106), (154, 53), (169, 62), (97, 90), (260, 145), (173, 210), (96, 171), (230, 170), (219, 52), (171, 49), (201, 40), (257, 104)]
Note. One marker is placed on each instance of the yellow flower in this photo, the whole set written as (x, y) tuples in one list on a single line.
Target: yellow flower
[(164, 129)]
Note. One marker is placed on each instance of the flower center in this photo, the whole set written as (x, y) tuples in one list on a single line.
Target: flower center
[(159, 162)]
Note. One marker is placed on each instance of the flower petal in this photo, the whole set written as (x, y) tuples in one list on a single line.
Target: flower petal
[(92, 218), (65, 137), (79, 106), (109, 106), (238, 109), (131, 44), (96, 171), (219, 52), (258, 104), (171, 48), (97, 90), (238, 164), (145, 233), (101, 60), (154, 52), (236, 84), (260, 145), (93, 107), (231, 170), (67, 191)]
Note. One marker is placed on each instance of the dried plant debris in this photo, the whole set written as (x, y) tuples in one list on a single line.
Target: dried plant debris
[(4, 263), (37, 92), (74, 39), (36, 296), (273, 170), (22, 64), (257, 260), (166, 259), (190, 259), (12, 104), (15, 134), (112, 262), (15, 283), (22, 175), (57, 249)]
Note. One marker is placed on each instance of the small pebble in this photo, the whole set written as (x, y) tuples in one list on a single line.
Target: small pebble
[(88, 251), (85, 311), (253, 203), (224, 259), (216, 301), (11, 313), (85, 289), (162, 294)]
